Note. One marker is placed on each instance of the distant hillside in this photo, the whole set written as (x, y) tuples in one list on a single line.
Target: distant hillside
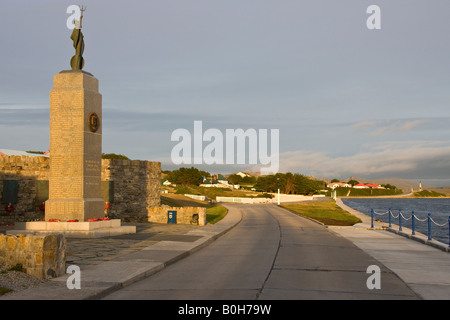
[(404, 184), (445, 190)]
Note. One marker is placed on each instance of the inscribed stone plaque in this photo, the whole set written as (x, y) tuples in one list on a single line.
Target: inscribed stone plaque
[(41, 191), (10, 191)]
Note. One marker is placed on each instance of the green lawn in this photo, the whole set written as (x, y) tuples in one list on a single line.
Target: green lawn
[(326, 212), (353, 192), (215, 213), (427, 193)]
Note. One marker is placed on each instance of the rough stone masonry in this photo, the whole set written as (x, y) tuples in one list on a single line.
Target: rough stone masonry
[(41, 256), (131, 186)]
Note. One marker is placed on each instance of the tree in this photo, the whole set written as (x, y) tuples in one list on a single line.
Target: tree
[(353, 182), (235, 179), (249, 179), (288, 183), (187, 176), (334, 180), (304, 185), (114, 156)]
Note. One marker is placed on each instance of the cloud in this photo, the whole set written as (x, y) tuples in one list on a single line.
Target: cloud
[(24, 116), (403, 159), (21, 106), (389, 126), (359, 126)]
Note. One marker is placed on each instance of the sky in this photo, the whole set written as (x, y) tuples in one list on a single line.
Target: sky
[(347, 100)]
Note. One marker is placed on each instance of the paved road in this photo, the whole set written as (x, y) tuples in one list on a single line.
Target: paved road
[(271, 254)]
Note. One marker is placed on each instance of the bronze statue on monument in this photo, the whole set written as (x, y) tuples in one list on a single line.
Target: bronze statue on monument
[(77, 61)]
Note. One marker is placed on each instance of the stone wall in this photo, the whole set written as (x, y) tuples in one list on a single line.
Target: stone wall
[(130, 185), (185, 215), (27, 171), (41, 256), (137, 186)]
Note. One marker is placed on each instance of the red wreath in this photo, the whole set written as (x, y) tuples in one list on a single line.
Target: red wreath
[(9, 207), (107, 205), (42, 206)]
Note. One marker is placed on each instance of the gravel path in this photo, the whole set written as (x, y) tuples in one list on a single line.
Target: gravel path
[(16, 280)]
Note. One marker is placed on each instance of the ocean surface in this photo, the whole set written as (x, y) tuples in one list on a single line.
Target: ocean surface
[(438, 208)]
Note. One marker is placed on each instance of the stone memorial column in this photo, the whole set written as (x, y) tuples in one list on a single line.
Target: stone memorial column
[(75, 148)]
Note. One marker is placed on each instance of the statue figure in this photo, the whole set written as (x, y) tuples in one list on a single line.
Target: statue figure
[(77, 61)]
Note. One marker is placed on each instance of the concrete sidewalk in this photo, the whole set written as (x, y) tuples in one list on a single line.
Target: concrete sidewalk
[(422, 264), (424, 268)]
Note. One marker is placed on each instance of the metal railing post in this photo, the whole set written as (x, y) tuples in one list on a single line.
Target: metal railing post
[(413, 223), (449, 231), (390, 225), (399, 220), (371, 216), (429, 226)]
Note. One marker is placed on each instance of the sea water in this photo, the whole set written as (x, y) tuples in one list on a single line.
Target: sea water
[(439, 208)]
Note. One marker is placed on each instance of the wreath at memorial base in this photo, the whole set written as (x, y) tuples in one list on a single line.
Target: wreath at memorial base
[(9, 207)]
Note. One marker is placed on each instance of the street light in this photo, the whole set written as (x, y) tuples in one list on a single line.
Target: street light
[(278, 185)]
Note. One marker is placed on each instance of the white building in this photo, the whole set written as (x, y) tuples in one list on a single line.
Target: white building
[(335, 185)]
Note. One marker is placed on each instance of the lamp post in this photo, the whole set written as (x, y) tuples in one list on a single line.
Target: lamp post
[(278, 185)]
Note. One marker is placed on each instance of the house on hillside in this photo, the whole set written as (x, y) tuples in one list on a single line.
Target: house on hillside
[(243, 174), (367, 186), (167, 183), (335, 185), (216, 181)]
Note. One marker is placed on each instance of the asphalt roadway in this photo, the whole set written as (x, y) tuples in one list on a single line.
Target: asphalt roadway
[(271, 254), (268, 253)]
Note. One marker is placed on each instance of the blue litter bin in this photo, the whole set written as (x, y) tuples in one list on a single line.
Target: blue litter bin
[(172, 217)]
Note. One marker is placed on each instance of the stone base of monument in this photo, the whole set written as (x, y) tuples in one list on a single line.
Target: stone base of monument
[(86, 229)]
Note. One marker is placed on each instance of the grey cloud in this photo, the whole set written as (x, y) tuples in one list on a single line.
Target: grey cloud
[(421, 160)]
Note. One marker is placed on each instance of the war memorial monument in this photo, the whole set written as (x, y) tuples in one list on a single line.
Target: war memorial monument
[(75, 206)]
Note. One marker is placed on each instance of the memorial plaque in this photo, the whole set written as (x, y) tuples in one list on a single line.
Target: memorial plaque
[(10, 191), (41, 191)]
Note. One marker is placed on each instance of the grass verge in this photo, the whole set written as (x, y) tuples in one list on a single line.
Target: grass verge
[(215, 213), (428, 194), (326, 212)]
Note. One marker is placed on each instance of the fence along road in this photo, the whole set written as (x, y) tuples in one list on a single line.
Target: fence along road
[(271, 254)]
